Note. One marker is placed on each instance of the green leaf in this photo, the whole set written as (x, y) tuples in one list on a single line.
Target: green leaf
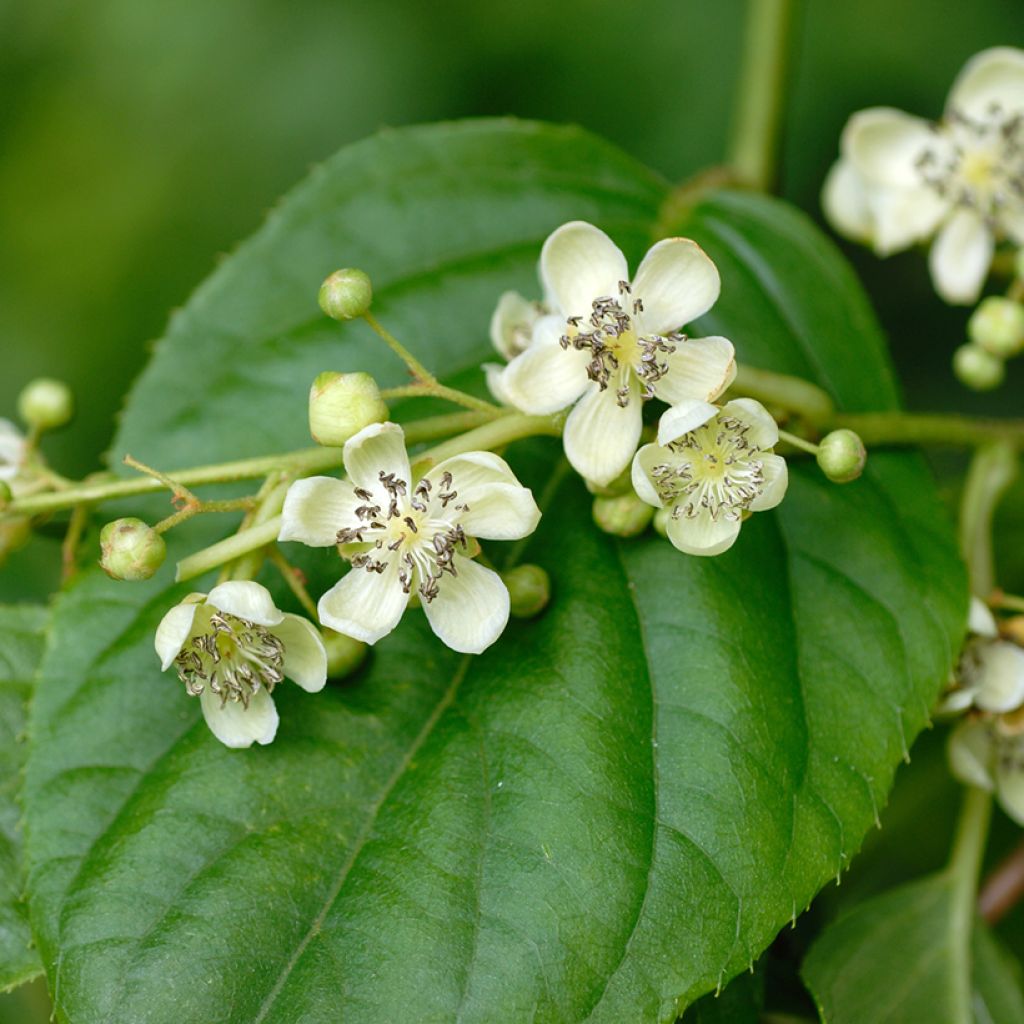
[(614, 809), (899, 958), (740, 1002), (21, 648)]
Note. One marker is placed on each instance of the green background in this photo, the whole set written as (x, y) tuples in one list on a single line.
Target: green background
[(140, 140)]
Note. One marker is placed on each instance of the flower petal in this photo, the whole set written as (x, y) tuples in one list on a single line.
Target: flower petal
[(1000, 671), (546, 377), (512, 323), (494, 374), (992, 78), (643, 482), (238, 726), (364, 605), (578, 264), (971, 752), (174, 630), (12, 450), (844, 199), (600, 437), (305, 658), (903, 217), (247, 600), (980, 620), (378, 448), (316, 508), (677, 282), (1010, 783), (688, 415), (960, 258), (702, 535), (762, 430), (885, 146), (776, 480), (698, 368), (471, 608)]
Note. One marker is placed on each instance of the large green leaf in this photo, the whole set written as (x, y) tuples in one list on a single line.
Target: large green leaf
[(899, 958), (611, 811), (21, 648)]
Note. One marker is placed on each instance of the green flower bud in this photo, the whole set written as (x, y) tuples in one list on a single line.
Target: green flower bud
[(14, 533), (841, 456), (341, 404), (661, 518), (624, 516), (6, 495), (978, 369), (346, 294), (529, 590), (344, 654), (46, 404), (131, 549), (997, 325)]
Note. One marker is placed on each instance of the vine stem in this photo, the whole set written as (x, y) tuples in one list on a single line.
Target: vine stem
[(753, 146), (992, 469)]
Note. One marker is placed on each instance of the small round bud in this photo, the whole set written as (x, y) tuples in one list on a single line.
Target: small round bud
[(997, 325), (529, 590), (661, 518), (344, 654), (341, 404), (624, 516), (841, 456), (6, 494), (46, 404), (131, 549), (346, 294), (14, 533), (978, 369)]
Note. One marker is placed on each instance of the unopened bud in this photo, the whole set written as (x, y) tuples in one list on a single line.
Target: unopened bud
[(841, 456), (624, 516), (622, 484), (529, 590), (997, 325), (661, 518), (978, 369), (131, 549), (46, 404), (341, 404), (346, 294), (6, 494), (14, 533), (344, 654)]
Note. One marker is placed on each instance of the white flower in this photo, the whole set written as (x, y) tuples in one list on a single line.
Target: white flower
[(412, 537), (231, 647), (13, 449), (983, 753), (901, 179), (612, 344), (711, 467), (512, 325)]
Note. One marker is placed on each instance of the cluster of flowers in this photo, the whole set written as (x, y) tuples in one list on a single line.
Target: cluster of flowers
[(986, 749), (599, 342), (902, 180)]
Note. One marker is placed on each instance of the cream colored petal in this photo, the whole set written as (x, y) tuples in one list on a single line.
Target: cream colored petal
[(960, 258), (512, 323), (687, 415), (845, 202), (762, 430), (677, 282), (1010, 220), (471, 608), (364, 605), (546, 377), (972, 754), (378, 448), (702, 535), (885, 146), (980, 620), (305, 657), (776, 480), (600, 437), (238, 726), (578, 264), (992, 78), (698, 368), (494, 374), (316, 508), (174, 630), (12, 450), (904, 217), (1000, 675), (650, 455), (1010, 780), (470, 471), (247, 600)]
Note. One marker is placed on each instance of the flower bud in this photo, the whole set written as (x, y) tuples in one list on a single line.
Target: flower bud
[(6, 495), (46, 404), (344, 654), (997, 325), (341, 404), (346, 294), (529, 590), (978, 369), (14, 533), (131, 549), (841, 456), (622, 484), (624, 516)]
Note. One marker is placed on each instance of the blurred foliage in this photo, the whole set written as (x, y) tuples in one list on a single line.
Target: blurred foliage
[(139, 140)]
